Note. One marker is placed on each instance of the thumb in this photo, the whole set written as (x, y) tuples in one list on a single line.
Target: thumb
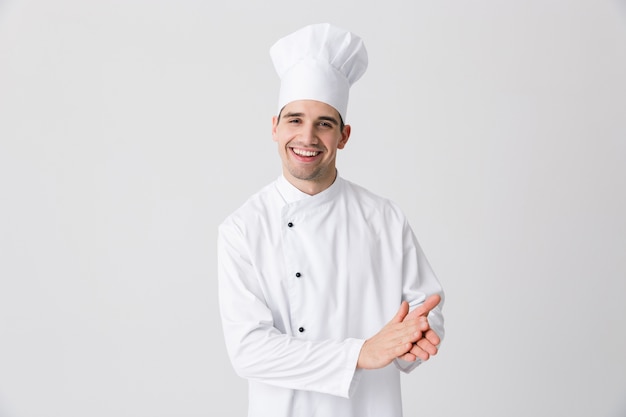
[(402, 312)]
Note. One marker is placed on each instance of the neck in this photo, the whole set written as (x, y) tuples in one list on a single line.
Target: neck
[(310, 187)]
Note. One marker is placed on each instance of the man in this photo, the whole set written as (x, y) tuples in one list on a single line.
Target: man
[(316, 274)]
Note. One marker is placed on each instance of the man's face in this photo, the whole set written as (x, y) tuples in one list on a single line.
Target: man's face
[(308, 136)]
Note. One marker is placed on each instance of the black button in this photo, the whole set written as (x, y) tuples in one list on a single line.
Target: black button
[(301, 329), (298, 275), (290, 224)]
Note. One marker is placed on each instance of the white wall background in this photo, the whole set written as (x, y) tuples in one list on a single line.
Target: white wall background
[(130, 129)]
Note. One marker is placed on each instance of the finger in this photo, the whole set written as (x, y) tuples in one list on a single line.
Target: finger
[(402, 312), (409, 357), (430, 303), (397, 351), (432, 337), (423, 324), (428, 347), (420, 353)]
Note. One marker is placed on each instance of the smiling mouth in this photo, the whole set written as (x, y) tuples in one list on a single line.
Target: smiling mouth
[(302, 152)]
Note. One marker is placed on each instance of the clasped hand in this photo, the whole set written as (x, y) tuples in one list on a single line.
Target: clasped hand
[(407, 336)]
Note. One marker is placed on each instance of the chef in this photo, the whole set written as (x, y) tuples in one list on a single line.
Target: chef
[(325, 294)]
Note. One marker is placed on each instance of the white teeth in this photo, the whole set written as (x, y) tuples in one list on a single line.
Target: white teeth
[(302, 152)]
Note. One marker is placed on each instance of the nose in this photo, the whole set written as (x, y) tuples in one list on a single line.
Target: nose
[(308, 134)]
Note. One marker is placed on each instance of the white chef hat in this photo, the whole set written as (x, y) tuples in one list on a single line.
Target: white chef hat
[(319, 62)]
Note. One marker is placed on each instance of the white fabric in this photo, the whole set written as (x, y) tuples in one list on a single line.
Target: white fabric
[(319, 62), (357, 258)]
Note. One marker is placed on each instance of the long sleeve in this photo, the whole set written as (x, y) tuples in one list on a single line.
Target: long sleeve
[(257, 348), (419, 282)]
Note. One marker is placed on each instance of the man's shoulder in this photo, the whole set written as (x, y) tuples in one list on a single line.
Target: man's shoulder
[(365, 195), (370, 206)]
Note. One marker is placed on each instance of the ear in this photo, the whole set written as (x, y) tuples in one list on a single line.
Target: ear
[(274, 127), (345, 135)]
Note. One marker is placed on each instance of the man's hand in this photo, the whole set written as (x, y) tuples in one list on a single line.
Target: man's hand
[(394, 340), (426, 346)]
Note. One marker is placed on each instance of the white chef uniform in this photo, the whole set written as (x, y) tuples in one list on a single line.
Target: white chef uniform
[(303, 281)]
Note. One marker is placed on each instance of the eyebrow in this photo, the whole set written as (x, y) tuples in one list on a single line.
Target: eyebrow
[(293, 115), (329, 119), (326, 118)]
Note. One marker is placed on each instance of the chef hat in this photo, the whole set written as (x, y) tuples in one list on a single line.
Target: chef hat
[(319, 62)]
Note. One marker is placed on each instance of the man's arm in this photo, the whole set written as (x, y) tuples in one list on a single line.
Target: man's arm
[(426, 297), (257, 348)]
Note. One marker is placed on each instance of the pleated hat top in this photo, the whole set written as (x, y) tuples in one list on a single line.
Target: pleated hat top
[(319, 62)]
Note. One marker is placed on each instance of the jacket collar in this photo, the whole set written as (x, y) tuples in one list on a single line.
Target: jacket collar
[(291, 194)]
